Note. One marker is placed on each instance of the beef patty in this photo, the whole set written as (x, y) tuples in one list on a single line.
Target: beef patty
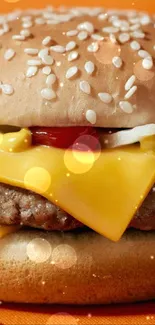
[(19, 206)]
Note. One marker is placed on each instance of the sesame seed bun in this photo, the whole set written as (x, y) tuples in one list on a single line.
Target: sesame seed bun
[(61, 68), (78, 268)]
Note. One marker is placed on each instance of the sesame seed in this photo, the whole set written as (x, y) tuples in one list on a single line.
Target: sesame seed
[(126, 107), (147, 63), (134, 20), (31, 71), (85, 87), (113, 38), (97, 37), (7, 89), (46, 70), (34, 62), (110, 30), (51, 79), (6, 28), (42, 53), (134, 27), (105, 98), (130, 82), (131, 92), (26, 18), (72, 33), (48, 14), (2, 32), (27, 24), (73, 56), (112, 17), (71, 72), (18, 37), (46, 40), (31, 51), (86, 26), (25, 32), (117, 62), (70, 46), (48, 93), (40, 21), (103, 16), (143, 54), (83, 35), (145, 20), (138, 34), (124, 37), (52, 22), (91, 116), (89, 67), (93, 47), (9, 54), (124, 29), (47, 59), (135, 45), (58, 48), (120, 23)]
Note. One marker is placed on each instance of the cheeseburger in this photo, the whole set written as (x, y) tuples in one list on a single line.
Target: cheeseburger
[(77, 156)]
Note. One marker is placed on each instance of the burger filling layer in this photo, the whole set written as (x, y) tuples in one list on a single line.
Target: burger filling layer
[(23, 207), (64, 178)]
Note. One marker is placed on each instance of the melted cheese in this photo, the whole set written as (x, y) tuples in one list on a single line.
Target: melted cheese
[(102, 190), (148, 143)]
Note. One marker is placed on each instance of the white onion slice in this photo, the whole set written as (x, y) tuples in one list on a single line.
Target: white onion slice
[(125, 137)]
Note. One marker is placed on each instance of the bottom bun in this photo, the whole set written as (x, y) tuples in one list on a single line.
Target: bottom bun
[(81, 267)]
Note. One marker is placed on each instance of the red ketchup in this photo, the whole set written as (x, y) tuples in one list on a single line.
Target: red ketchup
[(79, 138)]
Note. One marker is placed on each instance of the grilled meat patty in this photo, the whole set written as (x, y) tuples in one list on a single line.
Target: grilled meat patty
[(19, 206)]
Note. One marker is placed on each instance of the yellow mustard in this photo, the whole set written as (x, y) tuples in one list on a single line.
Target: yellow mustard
[(15, 141)]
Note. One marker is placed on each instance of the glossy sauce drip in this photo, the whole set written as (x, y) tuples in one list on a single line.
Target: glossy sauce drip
[(81, 138)]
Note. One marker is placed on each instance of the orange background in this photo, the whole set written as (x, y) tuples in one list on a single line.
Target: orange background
[(148, 5)]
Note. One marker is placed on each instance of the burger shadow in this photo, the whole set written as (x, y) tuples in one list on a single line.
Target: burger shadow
[(134, 309)]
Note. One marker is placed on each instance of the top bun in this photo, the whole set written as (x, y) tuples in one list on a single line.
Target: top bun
[(96, 68)]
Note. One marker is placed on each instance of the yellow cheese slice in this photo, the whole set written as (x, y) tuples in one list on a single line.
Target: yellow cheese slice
[(102, 190), (5, 230), (148, 143)]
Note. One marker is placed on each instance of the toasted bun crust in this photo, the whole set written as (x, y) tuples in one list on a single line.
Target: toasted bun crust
[(76, 268), (24, 103)]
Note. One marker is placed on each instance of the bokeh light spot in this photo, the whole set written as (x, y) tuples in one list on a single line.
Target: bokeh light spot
[(79, 158), (64, 256), (39, 250), (62, 319), (78, 162), (37, 178), (84, 158), (88, 143)]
